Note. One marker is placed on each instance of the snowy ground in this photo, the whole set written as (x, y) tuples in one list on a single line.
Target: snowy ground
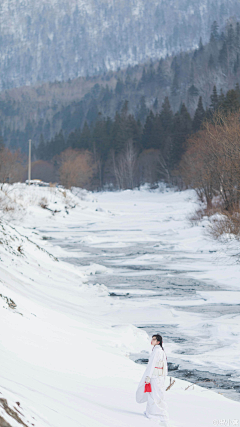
[(65, 343)]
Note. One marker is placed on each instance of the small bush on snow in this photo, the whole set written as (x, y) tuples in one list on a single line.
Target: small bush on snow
[(225, 225)]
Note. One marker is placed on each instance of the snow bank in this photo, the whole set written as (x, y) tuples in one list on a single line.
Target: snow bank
[(64, 354)]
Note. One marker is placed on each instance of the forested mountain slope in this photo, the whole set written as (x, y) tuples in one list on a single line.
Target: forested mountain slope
[(28, 112), (45, 40)]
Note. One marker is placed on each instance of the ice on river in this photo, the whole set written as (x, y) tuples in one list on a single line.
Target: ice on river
[(72, 331)]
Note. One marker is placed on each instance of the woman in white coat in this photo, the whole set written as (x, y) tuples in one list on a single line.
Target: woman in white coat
[(151, 388)]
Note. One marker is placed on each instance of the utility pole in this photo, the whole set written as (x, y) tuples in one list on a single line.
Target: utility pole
[(29, 162)]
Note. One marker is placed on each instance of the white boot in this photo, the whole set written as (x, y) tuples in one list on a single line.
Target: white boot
[(144, 413)]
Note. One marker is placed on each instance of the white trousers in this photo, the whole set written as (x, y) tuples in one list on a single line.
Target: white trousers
[(156, 405)]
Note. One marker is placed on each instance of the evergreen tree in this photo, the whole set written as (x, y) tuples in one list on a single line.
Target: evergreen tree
[(118, 134), (186, 121), (144, 76), (230, 38), (223, 55), (231, 102), (175, 65), (85, 137), (124, 109), (221, 98), (100, 141), (236, 64), (34, 152), (214, 99), (166, 115), (214, 32), (193, 91), (128, 82), (41, 149), (133, 131), (161, 78), (199, 115), (158, 133), (148, 132), (2, 145), (92, 113), (73, 139), (237, 37), (200, 45), (211, 62), (182, 127), (222, 37), (192, 74), (142, 110), (237, 90), (55, 146), (107, 96), (155, 104), (119, 87), (150, 75), (175, 85)]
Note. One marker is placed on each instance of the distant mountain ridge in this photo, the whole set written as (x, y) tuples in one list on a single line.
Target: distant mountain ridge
[(45, 109), (48, 40)]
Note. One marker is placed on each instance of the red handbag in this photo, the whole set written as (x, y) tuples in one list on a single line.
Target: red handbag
[(148, 388)]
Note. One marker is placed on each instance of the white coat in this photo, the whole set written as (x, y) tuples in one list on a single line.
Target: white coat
[(156, 405)]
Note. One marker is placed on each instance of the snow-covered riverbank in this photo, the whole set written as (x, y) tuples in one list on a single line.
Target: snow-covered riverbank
[(65, 344)]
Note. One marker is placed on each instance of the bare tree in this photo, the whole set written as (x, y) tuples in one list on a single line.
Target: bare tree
[(118, 170), (130, 159), (98, 165), (148, 166), (197, 168), (163, 167), (125, 166), (11, 166), (76, 168), (211, 163)]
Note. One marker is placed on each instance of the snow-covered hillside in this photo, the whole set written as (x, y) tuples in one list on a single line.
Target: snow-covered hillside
[(54, 40), (64, 350)]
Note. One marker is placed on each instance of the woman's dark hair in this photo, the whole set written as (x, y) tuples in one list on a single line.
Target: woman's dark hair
[(159, 338)]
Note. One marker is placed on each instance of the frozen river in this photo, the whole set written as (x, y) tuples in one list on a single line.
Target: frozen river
[(164, 276)]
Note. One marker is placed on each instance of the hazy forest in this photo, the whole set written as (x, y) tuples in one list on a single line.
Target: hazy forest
[(157, 121), (29, 111)]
